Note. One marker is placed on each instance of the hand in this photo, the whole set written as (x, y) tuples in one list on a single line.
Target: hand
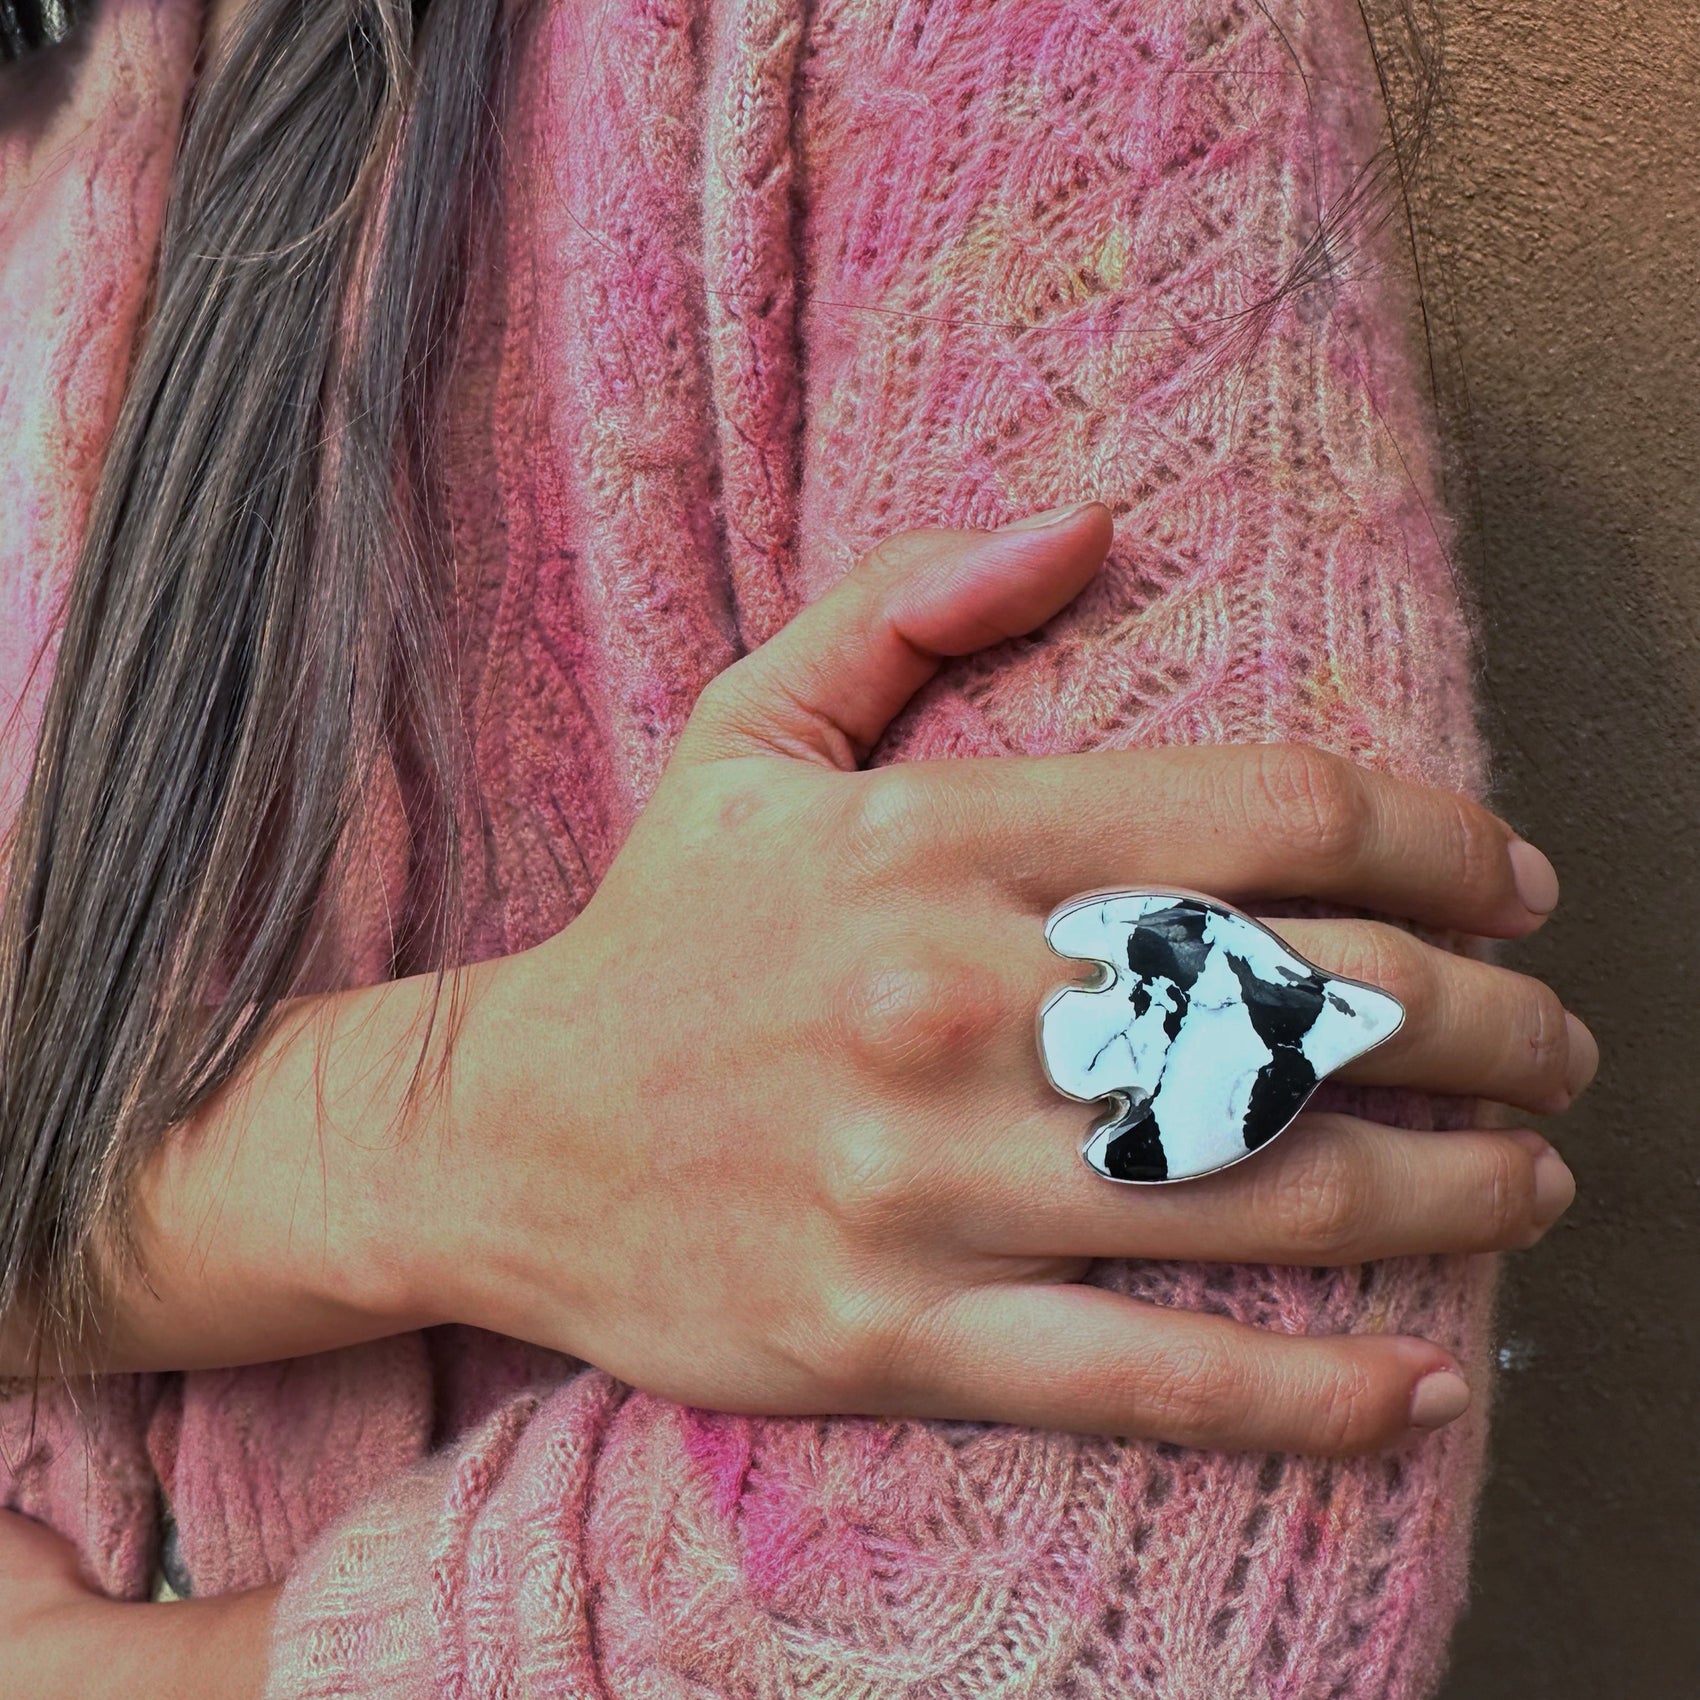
[(766, 1129), (60, 1640)]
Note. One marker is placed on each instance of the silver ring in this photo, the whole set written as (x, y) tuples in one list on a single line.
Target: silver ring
[(1206, 1030)]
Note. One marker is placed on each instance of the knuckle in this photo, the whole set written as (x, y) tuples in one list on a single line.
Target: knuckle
[(872, 1182), (904, 1012), (1508, 1205), (1320, 1208), (1348, 1414), (1478, 848), (864, 1347), (893, 560), (1307, 801), (1546, 1037), (1387, 956), (890, 825)]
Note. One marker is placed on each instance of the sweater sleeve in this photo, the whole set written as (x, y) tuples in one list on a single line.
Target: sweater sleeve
[(959, 261)]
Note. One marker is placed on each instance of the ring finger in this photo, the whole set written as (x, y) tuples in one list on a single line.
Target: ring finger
[(1333, 1189), (1472, 1029)]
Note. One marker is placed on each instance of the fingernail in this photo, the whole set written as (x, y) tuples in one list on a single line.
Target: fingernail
[(1051, 516), (1584, 1059), (1438, 1399), (1555, 1185), (1536, 878)]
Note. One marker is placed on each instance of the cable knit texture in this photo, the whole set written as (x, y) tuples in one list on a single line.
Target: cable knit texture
[(772, 281)]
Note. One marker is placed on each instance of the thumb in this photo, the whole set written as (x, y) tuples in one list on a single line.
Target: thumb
[(827, 685)]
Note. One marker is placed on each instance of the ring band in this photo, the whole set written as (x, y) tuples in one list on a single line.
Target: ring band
[(1208, 1031)]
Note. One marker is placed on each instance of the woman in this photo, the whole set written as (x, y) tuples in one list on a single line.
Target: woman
[(476, 589)]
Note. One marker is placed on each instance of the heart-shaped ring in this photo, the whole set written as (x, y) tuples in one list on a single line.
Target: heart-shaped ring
[(1208, 1031)]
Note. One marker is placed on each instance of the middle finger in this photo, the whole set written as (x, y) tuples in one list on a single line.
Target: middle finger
[(1472, 1029)]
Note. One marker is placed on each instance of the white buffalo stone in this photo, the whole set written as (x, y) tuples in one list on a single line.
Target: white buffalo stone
[(1209, 1031)]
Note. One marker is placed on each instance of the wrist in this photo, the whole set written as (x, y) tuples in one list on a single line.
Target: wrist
[(406, 1235), (510, 1137), (319, 1182)]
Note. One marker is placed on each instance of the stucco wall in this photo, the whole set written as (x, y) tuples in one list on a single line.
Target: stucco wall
[(1563, 220)]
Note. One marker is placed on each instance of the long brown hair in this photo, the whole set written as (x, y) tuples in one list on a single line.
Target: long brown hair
[(258, 611)]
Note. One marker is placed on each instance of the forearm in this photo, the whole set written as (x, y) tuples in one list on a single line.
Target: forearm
[(100, 1649), (284, 1218)]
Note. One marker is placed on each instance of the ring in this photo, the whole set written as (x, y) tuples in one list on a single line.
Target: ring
[(1207, 1030)]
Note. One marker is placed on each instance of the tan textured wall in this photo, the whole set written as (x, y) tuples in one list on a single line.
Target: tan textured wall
[(1564, 237)]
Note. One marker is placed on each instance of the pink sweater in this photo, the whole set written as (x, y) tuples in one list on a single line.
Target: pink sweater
[(776, 279)]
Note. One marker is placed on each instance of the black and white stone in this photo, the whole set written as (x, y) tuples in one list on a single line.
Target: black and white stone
[(1210, 1031)]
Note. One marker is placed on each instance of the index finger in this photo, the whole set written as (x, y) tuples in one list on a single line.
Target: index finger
[(1245, 822)]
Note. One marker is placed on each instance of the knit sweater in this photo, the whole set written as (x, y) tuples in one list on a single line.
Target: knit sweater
[(771, 281)]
